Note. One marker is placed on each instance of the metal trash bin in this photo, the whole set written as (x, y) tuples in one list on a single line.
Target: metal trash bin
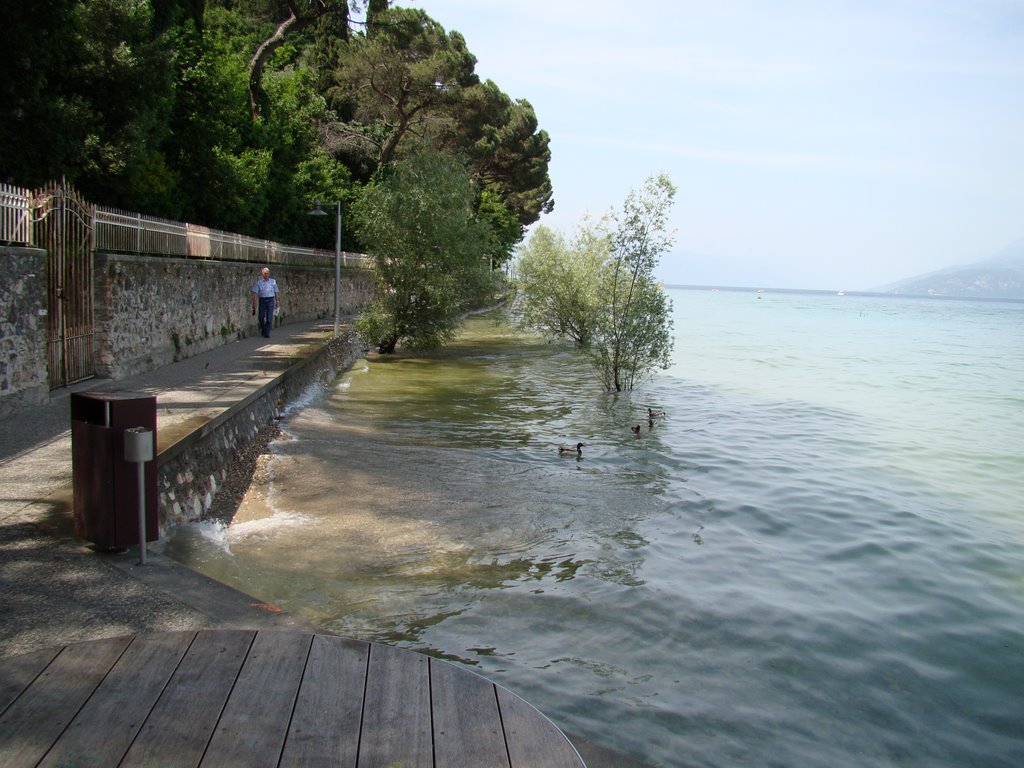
[(106, 486)]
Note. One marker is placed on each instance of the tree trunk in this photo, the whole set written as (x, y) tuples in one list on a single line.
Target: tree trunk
[(293, 23), (387, 347)]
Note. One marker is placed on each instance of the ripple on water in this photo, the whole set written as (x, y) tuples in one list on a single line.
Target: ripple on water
[(796, 566)]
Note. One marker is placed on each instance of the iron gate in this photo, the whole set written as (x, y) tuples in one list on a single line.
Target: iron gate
[(63, 226)]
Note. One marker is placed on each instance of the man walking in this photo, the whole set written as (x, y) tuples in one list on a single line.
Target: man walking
[(265, 291)]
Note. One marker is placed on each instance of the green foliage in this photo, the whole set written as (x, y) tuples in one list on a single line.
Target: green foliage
[(600, 291), (508, 154), (430, 252), (399, 80), (410, 83), (635, 335), (504, 225), (148, 105), (86, 93), (213, 147), (560, 282)]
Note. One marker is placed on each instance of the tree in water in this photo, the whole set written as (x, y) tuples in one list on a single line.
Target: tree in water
[(600, 292), (560, 282), (430, 252), (634, 336)]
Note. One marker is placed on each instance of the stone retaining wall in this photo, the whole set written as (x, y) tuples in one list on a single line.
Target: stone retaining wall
[(149, 311), (153, 311), (23, 329), (191, 471)]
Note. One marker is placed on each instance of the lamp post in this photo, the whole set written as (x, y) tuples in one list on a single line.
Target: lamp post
[(318, 211)]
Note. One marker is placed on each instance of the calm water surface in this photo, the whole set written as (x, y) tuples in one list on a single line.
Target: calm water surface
[(815, 559)]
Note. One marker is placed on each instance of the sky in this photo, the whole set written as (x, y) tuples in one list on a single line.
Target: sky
[(817, 144)]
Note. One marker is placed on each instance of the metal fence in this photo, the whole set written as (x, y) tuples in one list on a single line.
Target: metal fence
[(15, 215), (116, 231)]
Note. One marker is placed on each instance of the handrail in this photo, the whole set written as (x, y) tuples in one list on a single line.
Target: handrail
[(118, 231)]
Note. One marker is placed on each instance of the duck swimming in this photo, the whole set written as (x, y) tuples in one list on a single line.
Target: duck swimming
[(565, 450), (635, 430), (652, 414)]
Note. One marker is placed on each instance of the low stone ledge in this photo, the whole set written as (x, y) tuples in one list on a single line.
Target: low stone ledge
[(192, 471)]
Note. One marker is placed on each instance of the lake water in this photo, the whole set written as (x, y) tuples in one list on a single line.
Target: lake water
[(815, 559)]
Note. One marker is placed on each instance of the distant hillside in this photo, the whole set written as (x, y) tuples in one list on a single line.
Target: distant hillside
[(1001, 276)]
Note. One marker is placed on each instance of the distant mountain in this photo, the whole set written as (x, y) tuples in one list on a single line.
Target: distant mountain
[(1000, 276)]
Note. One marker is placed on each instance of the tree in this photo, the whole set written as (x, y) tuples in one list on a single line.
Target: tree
[(600, 291), (255, 177), (560, 282), (407, 81), (635, 335), (507, 153), (294, 16), (331, 17), (86, 92), (429, 252), (238, 114), (399, 80)]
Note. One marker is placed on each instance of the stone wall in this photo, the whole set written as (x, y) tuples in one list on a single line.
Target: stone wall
[(23, 329), (152, 311), (191, 471)]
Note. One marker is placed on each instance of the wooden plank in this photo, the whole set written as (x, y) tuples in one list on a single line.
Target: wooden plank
[(31, 724), (178, 729), (103, 730), (18, 672), (252, 729), (396, 712), (328, 712), (533, 740), (467, 724), (238, 697)]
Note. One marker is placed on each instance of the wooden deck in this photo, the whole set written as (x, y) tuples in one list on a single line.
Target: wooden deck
[(262, 698)]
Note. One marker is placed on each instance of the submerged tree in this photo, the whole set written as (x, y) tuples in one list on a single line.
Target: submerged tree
[(634, 336), (600, 291), (429, 249), (560, 282)]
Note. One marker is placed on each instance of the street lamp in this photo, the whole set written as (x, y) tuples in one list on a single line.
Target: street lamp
[(318, 211)]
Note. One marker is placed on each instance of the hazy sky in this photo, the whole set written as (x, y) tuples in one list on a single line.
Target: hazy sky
[(815, 144)]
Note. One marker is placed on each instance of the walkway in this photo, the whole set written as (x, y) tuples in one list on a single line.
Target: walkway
[(243, 698)]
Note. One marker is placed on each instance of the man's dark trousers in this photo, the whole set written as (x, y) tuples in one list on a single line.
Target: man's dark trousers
[(266, 315)]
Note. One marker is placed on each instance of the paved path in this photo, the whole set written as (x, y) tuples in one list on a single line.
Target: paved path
[(35, 444)]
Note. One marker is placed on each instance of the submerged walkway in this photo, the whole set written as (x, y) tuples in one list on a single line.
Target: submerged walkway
[(266, 698)]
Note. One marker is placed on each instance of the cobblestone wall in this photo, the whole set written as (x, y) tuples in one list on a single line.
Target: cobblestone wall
[(23, 329), (192, 472), (152, 311)]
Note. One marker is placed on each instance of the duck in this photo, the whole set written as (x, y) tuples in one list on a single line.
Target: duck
[(566, 450), (635, 430), (652, 414)]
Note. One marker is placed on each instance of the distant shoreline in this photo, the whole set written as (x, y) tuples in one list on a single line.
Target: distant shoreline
[(820, 292)]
